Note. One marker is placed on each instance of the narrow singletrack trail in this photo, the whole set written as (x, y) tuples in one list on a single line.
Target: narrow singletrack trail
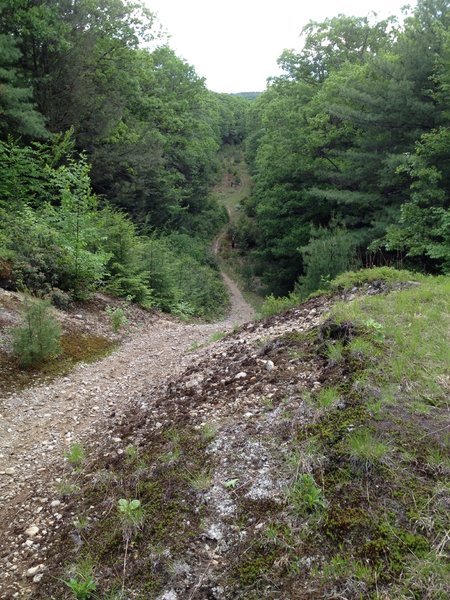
[(40, 423)]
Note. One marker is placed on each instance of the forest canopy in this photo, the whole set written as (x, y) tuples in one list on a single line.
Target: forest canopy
[(107, 133)]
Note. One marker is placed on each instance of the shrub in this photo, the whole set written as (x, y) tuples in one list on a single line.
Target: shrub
[(39, 338), (274, 306), (60, 299), (117, 318), (75, 455)]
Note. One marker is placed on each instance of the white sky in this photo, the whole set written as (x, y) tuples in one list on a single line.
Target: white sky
[(235, 44)]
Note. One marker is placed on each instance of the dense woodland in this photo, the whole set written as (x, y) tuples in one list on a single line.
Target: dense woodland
[(350, 151), (109, 149)]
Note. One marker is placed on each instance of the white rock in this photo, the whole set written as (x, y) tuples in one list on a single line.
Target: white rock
[(55, 503), (32, 531), (269, 365), (169, 595), (241, 375), (33, 570)]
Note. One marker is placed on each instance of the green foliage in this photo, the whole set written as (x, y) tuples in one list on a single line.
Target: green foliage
[(83, 584), (350, 279), (184, 277), (50, 232), (150, 131), (76, 455), (56, 238), (305, 496), (411, 326), (327, 397), (38, 339), (82, 588), (19, 114), (218, 335), (274, 306), (365, 449), (423, 229), (324, 257), (117, 318), (335, 351), (355, 132), (131, 513)]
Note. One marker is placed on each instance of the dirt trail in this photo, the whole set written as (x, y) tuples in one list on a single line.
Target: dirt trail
[(39, 423)]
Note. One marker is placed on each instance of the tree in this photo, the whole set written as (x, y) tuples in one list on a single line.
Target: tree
[(18, 113)]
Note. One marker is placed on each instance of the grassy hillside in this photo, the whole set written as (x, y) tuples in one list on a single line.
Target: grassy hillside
[(303, 456)]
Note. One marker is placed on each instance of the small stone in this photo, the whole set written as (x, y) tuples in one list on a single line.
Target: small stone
[(33, 570), (10, 471), (32, 531), (55, 503), (37, 578), (241, 375), (269, 365)]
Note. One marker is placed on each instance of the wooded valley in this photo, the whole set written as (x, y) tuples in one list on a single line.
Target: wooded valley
[(241, 389), (109, 150)]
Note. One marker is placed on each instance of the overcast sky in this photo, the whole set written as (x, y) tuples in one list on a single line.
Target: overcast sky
[(234, 44)]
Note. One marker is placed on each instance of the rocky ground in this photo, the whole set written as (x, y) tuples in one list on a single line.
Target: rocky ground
[(38, 424), (241, 463)]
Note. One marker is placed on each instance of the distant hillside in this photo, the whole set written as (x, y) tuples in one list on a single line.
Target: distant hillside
[(247, 95)]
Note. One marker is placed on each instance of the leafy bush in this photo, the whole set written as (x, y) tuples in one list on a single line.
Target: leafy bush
[(305, 496), (76, 455), (274, 306), (60, 299), (39, 337), (117, 318), (82, 587)]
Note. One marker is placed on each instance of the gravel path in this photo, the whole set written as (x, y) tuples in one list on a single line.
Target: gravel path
[(39, 423)]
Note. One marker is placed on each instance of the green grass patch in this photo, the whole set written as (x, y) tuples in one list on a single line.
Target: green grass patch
[(412, 324), (351, 279)]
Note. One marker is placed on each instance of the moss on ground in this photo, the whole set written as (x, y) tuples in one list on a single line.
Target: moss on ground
[(75, 348), (171, 515)]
